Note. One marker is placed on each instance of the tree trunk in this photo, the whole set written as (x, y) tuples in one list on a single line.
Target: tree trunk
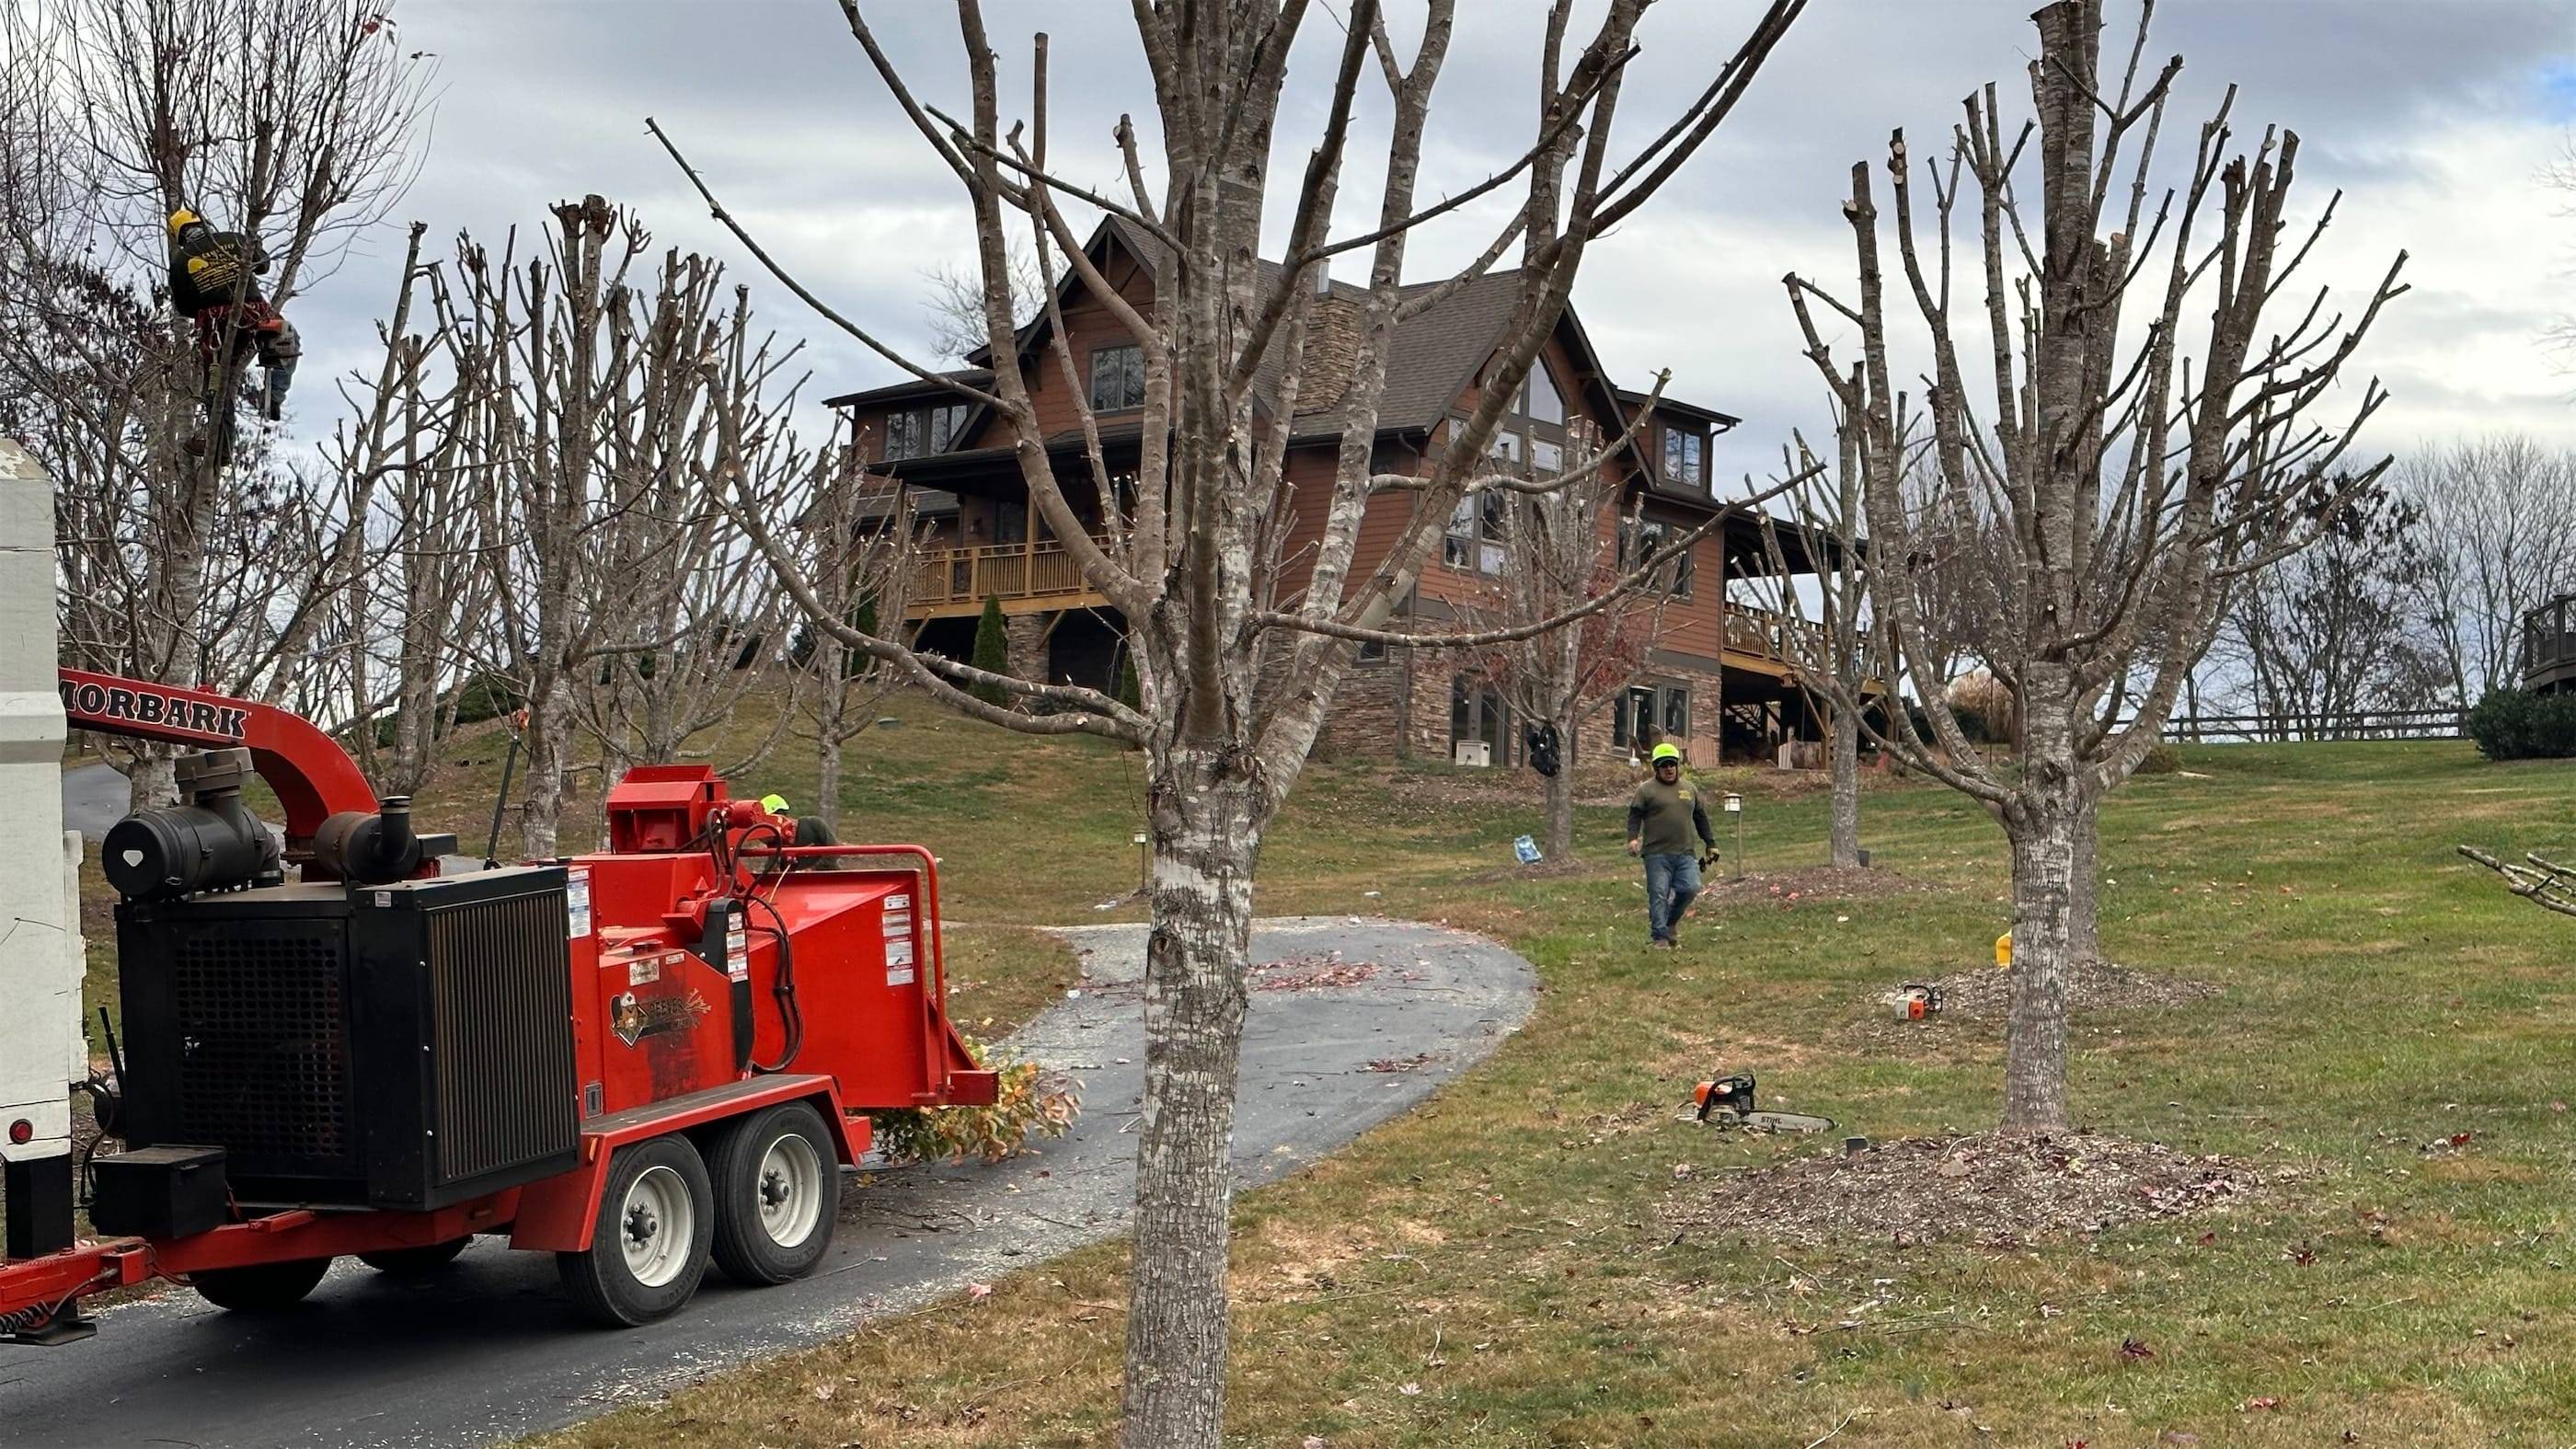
[(150, 783), (1559, 844), (2047, 822), (1845, 830), (549, 758), (1206, 825), (2043, 849)]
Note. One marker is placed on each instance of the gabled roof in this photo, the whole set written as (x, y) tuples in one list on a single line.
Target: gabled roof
[(1632, 398), (1435, 357)]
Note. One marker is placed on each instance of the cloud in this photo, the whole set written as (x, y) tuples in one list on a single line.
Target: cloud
[(2434, 118)]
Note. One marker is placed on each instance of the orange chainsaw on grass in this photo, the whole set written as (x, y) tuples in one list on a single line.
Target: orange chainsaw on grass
[(1729, 1102)]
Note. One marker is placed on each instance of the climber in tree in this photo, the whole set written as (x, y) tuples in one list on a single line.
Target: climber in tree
[(214, 283)]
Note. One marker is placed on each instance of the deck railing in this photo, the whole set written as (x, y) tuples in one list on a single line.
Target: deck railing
[(2549, 638), (1005, 571)]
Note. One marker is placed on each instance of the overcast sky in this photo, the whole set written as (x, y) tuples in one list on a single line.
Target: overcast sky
[(2434, 116)]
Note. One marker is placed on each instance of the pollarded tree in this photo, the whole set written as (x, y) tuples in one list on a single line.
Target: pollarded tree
[(1239, 641), (2132, 488)]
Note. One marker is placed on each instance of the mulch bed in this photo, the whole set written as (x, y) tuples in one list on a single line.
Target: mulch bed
[(1978, 1001), (1988, 1189)]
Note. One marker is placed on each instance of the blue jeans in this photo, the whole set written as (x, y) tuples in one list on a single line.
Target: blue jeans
[(1671, 882)]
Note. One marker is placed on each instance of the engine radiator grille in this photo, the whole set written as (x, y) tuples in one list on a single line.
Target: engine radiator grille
[(263, 1058), (500, 1005), (401, 1046)]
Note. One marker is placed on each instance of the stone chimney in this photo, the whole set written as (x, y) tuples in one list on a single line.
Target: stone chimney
[(1332, 346)]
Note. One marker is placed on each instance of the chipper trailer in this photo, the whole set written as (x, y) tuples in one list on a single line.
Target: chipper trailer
[(637, 1060)]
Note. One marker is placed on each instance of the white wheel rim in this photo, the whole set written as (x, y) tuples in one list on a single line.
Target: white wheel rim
[(789, 1191), (656, 1225)]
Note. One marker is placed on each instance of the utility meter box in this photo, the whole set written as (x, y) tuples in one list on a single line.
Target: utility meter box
[(41, 1052)]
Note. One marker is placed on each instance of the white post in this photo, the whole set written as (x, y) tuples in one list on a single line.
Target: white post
[(40, 948)]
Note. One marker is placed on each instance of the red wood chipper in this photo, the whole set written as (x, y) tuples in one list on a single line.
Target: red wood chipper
[(638, 1060)]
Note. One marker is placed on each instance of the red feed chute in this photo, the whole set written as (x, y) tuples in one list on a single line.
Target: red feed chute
[(311, 775)]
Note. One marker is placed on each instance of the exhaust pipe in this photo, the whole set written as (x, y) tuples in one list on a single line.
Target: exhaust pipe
[(364, 849)]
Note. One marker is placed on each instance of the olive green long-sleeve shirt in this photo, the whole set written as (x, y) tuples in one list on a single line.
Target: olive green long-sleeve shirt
[(1662, 818)]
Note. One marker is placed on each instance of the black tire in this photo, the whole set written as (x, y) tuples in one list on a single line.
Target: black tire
[(414, 1264), (651, 1186), (261, 1287), (778, 1194)]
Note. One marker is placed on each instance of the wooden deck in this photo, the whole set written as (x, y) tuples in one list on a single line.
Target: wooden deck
[(1026, 577), (2549, 647)]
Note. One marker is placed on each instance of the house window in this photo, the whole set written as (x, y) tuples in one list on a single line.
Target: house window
[(1117, 378), (920, 432), (1372, 651), (1477, 713), (1650, 713), (1540, 401), (1685, 460), (1546, 457), (1651, 538), (1474, 539)]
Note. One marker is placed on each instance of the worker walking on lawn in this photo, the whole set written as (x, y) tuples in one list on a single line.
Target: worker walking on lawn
[(1661, 816)]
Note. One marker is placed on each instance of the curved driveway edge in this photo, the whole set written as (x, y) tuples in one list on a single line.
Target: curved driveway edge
[(1333, 1045)]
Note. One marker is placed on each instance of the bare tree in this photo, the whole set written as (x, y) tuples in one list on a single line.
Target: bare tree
[(1558, 550), (1832, 662), (954, 306), (680, 582), (290, 121), (2498, 523), (2133, 490), (2339, 628), (418, 424), (856, 543), (1237, 658)]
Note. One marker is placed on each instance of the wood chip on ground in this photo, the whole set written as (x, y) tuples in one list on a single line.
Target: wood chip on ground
[(1987, 1189)]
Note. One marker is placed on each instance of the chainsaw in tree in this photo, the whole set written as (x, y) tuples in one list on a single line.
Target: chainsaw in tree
[(1729, 1102)]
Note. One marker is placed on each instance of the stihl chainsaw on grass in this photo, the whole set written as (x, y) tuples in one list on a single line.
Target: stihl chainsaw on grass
[(1729, 1102)]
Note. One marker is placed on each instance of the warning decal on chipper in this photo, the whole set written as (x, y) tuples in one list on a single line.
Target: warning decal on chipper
[(898, 955), (577, 903)]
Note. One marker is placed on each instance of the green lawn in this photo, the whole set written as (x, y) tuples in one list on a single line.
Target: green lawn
[(1510, 1279)]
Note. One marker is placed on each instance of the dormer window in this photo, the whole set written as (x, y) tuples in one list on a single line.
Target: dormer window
[(1117, 379), (920, 432), (1686, 459)]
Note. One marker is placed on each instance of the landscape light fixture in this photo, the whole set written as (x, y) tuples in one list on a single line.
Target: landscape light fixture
[(1144, 863), (1734, 805)]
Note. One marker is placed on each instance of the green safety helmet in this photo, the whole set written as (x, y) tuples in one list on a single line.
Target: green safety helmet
[(774, 804), (1666, 751)]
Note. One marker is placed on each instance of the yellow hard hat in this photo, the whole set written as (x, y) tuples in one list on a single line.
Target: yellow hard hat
[(774, 804), (1666, 751), (182, 217)]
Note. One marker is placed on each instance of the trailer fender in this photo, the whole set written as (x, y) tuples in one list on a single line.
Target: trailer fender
[(558, 1213)]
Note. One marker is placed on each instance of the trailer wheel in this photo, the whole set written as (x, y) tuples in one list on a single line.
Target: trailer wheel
[(260, 1287), (648, 1248), (778, 1194), (414, 1263)]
